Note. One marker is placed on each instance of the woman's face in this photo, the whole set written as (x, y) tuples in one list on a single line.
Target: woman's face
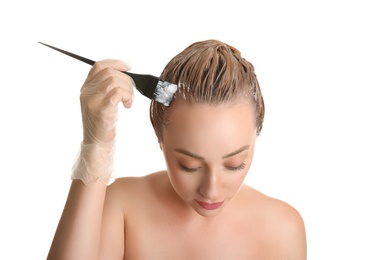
[(208, 151)]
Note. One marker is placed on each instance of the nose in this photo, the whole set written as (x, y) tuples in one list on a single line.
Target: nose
[(212, 186)]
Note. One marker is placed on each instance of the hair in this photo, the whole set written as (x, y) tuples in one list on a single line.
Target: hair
[(209, 72)]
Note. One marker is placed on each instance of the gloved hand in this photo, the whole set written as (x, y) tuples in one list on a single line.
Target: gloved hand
[(100, 95), (103, 89)]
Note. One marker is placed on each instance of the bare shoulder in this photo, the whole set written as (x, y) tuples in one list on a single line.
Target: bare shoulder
[(283, 224), (127, 189)]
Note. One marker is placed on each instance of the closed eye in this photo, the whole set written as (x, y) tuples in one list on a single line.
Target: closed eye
[(187, 169), (236, 168)]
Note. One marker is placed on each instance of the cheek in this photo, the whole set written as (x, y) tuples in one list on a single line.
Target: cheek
[(179, 179), (235, 182), (185, 184)]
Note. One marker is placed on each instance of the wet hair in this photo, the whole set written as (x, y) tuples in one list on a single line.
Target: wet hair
[(209, 72)]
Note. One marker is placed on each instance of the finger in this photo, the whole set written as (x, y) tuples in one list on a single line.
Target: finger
[(107, 79), (116, 90), (109, 72), (114, 82), (109, 63), (117, 95), (103, 65)]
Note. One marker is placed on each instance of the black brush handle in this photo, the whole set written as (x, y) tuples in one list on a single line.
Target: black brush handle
[(145, 83)]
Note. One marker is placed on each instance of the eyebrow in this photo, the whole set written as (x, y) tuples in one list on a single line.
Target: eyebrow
[(185, 152)]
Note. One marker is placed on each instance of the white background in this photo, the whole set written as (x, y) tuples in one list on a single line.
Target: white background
[(323, 67)]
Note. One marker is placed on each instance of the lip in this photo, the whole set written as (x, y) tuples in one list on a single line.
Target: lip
[(209, 206)]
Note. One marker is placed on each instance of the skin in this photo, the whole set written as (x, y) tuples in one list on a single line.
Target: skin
[(208, 151)]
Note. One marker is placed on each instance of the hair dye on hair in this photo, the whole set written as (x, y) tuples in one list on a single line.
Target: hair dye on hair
[(209, 72)]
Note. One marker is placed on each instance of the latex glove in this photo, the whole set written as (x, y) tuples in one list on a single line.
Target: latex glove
[(103, 89), (100, 95)]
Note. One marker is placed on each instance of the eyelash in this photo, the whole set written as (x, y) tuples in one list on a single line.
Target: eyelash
[(183, 168), (238, 168)]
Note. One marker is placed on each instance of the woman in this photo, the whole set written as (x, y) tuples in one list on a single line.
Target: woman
[(199, 207)]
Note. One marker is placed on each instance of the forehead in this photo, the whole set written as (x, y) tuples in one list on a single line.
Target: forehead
[(199, 125)]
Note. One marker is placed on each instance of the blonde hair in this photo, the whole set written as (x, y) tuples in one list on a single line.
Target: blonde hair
[(210, 72)]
